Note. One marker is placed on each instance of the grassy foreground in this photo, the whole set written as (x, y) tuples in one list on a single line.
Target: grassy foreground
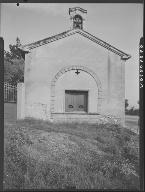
[(42, 155)]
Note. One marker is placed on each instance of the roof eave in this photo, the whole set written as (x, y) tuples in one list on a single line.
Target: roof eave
[(28, 47), (24, 49), (126, 57), (123, 55)]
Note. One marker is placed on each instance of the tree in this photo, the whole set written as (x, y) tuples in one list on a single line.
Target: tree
[(15, 52), (14, 64), (126, 104)]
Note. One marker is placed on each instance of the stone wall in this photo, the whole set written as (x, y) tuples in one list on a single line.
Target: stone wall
[(20, 101)]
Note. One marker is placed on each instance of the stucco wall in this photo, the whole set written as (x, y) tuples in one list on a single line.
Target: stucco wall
[(44, 62)]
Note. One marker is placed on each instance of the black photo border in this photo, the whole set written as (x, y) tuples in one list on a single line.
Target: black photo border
[(141, 88)]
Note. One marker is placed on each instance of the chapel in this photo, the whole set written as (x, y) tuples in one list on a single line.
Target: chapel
[(73, 76)]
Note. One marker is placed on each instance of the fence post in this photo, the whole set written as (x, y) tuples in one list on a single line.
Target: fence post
[(20, 101)]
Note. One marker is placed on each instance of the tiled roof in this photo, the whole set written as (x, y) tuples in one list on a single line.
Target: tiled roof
[(28, 47)]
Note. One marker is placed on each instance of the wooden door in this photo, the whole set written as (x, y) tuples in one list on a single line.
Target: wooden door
[(76, 101)]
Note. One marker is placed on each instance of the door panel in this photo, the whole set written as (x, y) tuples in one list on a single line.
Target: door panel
[(69, 102), (76, 101), (80, 102)]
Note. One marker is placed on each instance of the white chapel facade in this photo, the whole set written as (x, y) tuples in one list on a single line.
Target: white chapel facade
[(73, 76)]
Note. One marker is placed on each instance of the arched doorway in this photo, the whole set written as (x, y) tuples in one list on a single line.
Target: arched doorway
[(76, 89)]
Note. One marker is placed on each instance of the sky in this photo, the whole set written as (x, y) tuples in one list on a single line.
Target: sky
[(120, 25)]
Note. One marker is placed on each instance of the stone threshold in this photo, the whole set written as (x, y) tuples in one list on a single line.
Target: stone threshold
[(75, 113)]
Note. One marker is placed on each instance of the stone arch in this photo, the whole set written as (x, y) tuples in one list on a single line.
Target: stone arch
[(69, 68)]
